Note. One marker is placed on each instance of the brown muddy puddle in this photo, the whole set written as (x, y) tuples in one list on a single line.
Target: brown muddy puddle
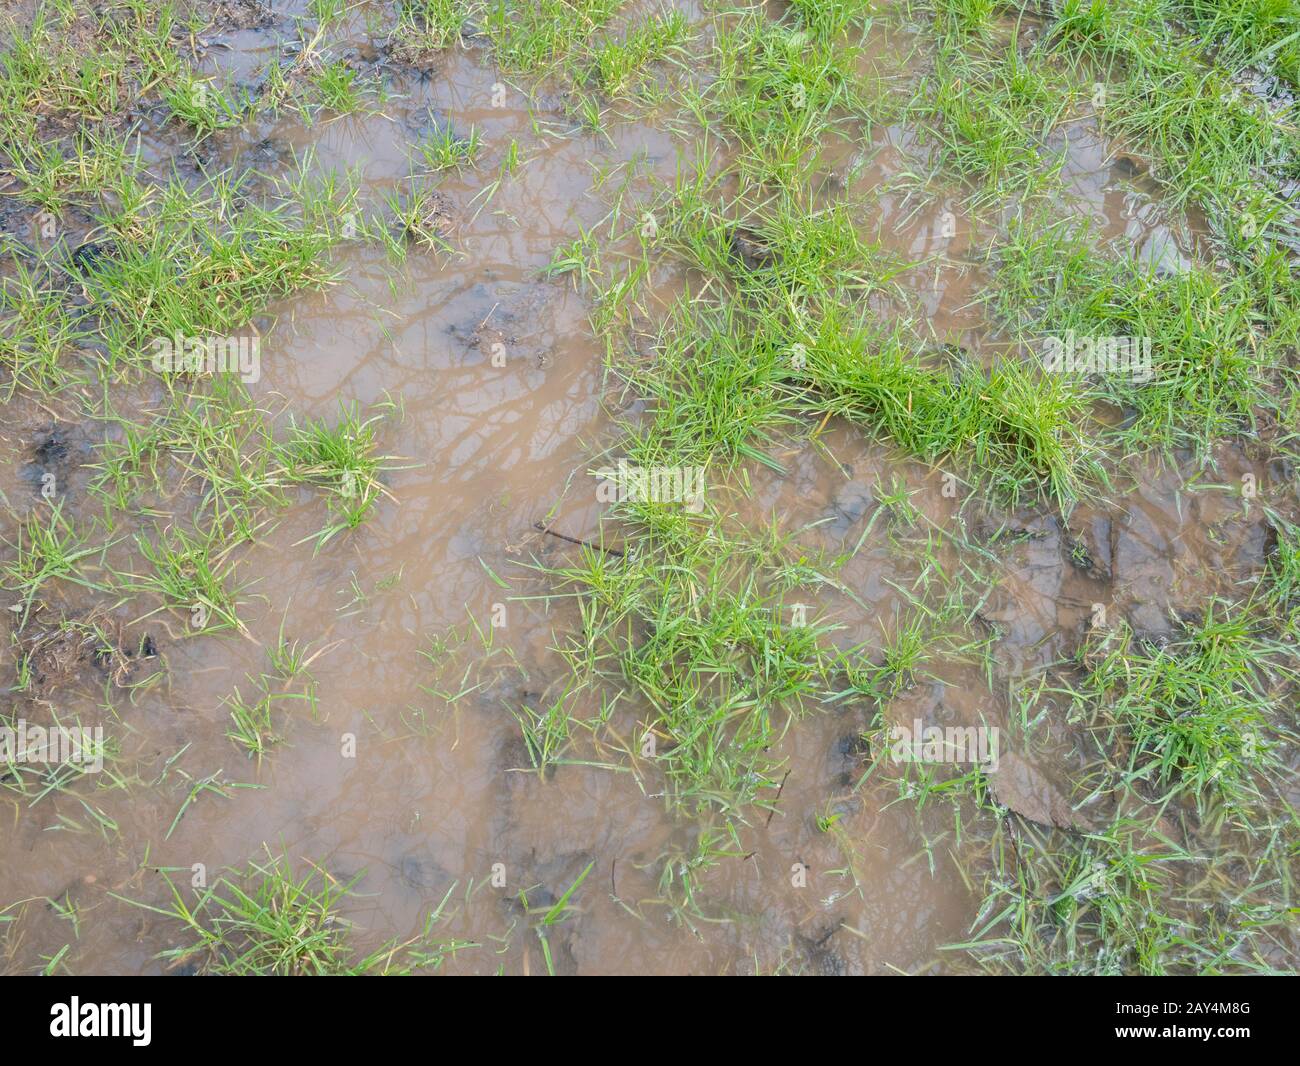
[(438, 793)]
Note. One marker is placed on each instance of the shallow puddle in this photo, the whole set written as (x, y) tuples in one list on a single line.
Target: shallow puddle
[(432, 631)]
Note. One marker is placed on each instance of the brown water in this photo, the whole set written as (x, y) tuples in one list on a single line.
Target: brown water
[(437, 793)]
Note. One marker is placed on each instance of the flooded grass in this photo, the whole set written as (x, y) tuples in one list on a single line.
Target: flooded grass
[(582, 487)]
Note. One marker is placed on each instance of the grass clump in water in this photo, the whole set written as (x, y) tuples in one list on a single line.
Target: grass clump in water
[(694, 627), (1212, 355), (341, 459), (990, 116), (535, 35), (1200, 712), (270, 921), (426, 27)]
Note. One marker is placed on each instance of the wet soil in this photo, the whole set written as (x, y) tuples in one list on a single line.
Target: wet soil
[(503, 404)]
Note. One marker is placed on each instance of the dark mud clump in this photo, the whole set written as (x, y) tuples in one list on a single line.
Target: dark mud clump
[(241, 15), (823, 960), (52, 448), (58, 454), (850, 505), (753, 252), (423, 874), (1090, 549), (61, 654)]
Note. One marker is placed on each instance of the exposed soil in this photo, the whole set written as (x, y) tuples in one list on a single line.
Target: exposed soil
[(502, 408)]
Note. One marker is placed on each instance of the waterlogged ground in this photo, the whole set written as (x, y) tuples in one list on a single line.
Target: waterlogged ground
[(386, 677)]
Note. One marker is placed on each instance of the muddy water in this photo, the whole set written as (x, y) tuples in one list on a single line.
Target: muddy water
[(438, 793)]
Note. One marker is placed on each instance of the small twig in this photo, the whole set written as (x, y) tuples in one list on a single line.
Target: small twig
[(776, 800), (542, 527)]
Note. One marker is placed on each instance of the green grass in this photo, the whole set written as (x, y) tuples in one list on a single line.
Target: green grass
[(420, 218), (618, 68), (1202, 713), (446, 151), (1210, 345), (694, 628), (49, 547), (1284, 565), (790, 314), (426, 27), (780, 88), (253, 722), (188, 262), (1248, 33), (990, 118), (1172, 77), (340, 460), (190, 574), (1025, 435), (1214, 140), (338, 89), (767, 292), (38, 332), (269, 920), (781, 344), (202, 105), (1107, 31), (533, 35), (554, 915), (130, 53)]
